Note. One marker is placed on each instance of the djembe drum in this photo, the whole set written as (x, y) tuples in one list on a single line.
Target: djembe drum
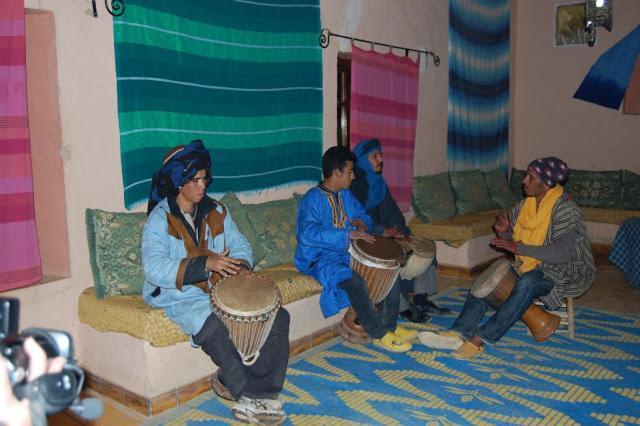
[(247, 305), (379, 264), (495, 285), (421, 252)]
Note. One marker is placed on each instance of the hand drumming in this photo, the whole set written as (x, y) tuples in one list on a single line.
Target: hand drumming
[(358, 224), (393, 233), (510, 246), (223, 264), (359, 235)]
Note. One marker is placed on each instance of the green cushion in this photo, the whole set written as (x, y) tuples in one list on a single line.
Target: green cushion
[(515, 183), (432, 198), (631, 190), (114, 251), (275, 224), (471, 191), (595, 189), (241, 218), (501, 195)]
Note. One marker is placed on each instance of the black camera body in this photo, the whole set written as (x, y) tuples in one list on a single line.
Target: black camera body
[(51, 393)]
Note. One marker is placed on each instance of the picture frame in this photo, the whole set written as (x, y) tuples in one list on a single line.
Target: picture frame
[(569, 25)]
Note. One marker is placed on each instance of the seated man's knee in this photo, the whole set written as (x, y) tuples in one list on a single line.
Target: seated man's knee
[(282, 321)]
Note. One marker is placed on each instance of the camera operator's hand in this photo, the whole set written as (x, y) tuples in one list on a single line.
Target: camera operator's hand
[(12, 411)]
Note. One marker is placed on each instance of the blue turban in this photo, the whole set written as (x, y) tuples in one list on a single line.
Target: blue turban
[(551, 170), (179, 165), (369, 187)]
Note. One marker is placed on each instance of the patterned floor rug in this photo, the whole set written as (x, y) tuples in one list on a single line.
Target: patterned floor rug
[(592, 379)]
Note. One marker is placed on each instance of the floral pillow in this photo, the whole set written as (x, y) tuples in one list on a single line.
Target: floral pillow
[(515, 182), (432, 198), (471, 191), (114, 252), (239, 215), (631, 190), (501, 195), (275, 224), (595, 188)]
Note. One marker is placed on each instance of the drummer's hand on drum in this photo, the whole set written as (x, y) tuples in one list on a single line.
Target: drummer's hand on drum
[(502, 223), (359, 235), (358, 224), (393, 233), (222, 264), (510, 246)]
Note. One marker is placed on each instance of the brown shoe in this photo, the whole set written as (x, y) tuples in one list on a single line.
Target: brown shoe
[(221, 390), (468, 351)]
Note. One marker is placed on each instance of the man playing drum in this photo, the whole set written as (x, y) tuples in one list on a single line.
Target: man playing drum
[(329, 218), (187, 238), (546, 232), (370, 188)]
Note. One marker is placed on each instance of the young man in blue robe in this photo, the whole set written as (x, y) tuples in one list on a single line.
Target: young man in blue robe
[(329, 218)]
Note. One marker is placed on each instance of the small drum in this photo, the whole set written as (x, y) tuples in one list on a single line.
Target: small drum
[(247, 305), (422, 252), (495, 285), (379, 264)]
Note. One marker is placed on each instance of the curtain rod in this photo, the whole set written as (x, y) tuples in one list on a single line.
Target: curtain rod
[(326, 34)]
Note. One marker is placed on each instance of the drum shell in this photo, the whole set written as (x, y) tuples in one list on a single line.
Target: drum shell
[(380, 274)]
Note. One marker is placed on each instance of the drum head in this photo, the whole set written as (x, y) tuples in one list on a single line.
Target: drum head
[(422, 247), (245, 295), (382, 248), (484, 283)]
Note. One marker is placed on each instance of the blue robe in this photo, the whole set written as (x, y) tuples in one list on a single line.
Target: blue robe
[(323, 243)]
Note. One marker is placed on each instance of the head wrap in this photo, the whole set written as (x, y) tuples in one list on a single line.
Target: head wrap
[(179, 165), (369, 187), (552, 170)]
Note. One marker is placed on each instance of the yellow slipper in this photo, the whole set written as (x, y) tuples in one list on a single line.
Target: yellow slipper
[(392, 343), (406, 333)]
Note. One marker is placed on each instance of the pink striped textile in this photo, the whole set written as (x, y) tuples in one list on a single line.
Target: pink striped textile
[(19, 251), (384, 106)]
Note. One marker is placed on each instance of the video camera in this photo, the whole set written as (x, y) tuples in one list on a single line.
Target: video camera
[(50, 393)]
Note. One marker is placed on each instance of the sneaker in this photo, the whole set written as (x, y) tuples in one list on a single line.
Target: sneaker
[(406, 334), (392, 343), (259, 411), (219, 388), (468, 351), (441, 340)]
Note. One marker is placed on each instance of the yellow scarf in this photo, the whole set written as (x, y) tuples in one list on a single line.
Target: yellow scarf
[(532, 225)]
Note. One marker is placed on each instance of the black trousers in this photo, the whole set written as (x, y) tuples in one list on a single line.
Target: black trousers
[(265, 378)]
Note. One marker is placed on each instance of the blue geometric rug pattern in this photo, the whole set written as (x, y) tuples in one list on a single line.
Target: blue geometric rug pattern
[(592, 379)]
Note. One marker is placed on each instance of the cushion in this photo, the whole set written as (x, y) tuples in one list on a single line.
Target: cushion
[(501, 195), (611, 216), (471, 191), (630, 190), (275, 224), (595, 188), (114, 251), (457, 230), (241, 218), (515, 182), (432, 198)]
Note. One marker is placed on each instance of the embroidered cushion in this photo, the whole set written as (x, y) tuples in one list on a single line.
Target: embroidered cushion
[(432, 198), (114, 251), (275, 224), (501, 195), (241, 218), (631, 190), (595, 189), (471, 191), (515, 182)]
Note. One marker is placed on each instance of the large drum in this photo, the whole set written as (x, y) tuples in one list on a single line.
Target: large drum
[(247, 305), (421, 253), (379, 264), (495, 285)]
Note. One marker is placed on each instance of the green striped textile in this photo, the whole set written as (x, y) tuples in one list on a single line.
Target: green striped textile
[(245, 76)]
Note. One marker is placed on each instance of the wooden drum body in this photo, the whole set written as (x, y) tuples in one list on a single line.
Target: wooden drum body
[(247, 305), (422, 252), (378, 264), (495, 285)]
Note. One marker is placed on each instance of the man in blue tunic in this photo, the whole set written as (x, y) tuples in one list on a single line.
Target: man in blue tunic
[(187, 238), (371, 190), (329, 218)]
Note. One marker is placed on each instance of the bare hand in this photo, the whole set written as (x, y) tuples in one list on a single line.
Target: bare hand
[(393, 233), (358, 224), (502, 223), (359, 235), (223, 264), (510, 246)]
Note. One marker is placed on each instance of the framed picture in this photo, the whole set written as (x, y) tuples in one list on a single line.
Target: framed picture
[(570, 24)]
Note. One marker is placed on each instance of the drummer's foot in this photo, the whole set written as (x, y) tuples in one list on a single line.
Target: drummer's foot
[(219, 388), (259, 411), (406, 334), (392, 343), (414, 315), (441, 340), (468, 351), (427, 306)]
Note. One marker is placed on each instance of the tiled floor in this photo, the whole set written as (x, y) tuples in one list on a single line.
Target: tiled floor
[(609, 292)]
